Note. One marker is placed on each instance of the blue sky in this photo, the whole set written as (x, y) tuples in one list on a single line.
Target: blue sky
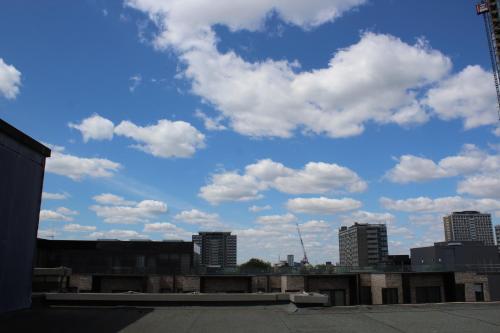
[(170, 117)]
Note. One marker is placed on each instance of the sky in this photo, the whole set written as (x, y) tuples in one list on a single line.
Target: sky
[(169, 117)]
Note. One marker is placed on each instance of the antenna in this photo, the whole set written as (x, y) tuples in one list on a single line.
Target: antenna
[(305, 260)]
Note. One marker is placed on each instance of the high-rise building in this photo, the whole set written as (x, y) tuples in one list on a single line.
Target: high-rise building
[(290, 260), (468, 226), (363, 244), (218, 249), (497, 233)]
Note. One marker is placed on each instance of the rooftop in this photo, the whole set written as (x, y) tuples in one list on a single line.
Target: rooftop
[(23, 138), (458, 317)]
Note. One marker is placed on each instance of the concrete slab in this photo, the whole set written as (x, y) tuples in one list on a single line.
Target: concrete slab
[(273, 318)]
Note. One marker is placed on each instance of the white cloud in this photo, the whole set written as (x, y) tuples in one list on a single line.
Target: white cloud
[(496, 131), (470, 160), (78, 168), (196, 217), (481, 185), (314, 178), (256, 209), (60, 214), (117, 234), (230, 186), (322, 205), (165, 139), (169, 230), (440, 205), (426, 219), (276, 219), (135, 81), (211, 124), (315, 226), (480, 169), (469, 95), (95, 127), (73, 227), (129, 214), (54, 196), (112, 199), (368, 217), (275, 98), (47, 233), (10, 80)]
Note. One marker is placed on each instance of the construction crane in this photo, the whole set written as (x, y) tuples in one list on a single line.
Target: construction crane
[(305, 260), (489, 10)]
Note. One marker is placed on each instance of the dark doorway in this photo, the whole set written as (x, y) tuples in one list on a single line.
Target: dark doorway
[(479, 292), (428, 294), (389, 295), (338, 298), (460, 292), (366, 295)]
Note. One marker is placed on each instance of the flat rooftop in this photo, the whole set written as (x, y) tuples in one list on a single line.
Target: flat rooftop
[(456, 317)]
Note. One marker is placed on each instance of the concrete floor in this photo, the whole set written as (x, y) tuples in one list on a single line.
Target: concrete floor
[(454, 318)]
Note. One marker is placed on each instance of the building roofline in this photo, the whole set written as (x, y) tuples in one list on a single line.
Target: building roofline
[(23, 138)]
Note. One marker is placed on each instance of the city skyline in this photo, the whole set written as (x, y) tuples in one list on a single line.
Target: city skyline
[(162, 126)]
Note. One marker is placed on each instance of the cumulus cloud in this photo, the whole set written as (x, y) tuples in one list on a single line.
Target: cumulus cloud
[(168, 230), (117, 234), (10, 80), (132, 213), (199, 218), (275, 98), (315, 177), (368, 217), (47, 233), (440, 205), (112, 199), (211, 124), (60, 214), (73, 227), (78, 168), (481, 171), (95, 127), (276, 219), (54, 196), (165, 139), (322, 205), (469, 95), (470, 160), (256, 209)]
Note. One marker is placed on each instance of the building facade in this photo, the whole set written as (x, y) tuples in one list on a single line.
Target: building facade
[(497, 234), (119, 257), (218, 249), (22, 167), (468, 226), (363, 244), (459, 256)]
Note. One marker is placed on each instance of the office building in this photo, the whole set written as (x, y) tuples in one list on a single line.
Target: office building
[(468, 226), (290, 260), (497, 233), (218, 249), (459, 256), (363, 244), (119, 257), (22, 167)]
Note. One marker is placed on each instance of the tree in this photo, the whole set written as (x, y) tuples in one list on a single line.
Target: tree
[(255, 265)]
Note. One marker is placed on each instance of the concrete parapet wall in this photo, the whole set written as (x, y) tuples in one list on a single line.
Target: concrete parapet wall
[(469, 279), (292, 283), (81, 282)]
